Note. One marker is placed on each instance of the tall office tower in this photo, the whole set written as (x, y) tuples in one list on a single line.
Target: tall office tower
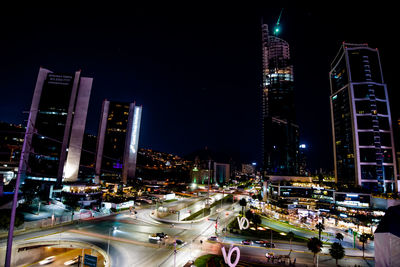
[(361, 121), (280, 133), (55, 127), (117, 141)]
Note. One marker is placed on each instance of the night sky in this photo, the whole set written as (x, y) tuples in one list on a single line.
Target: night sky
[(196, 69)]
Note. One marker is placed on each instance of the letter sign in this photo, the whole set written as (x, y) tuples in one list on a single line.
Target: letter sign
[(228, 258), (242, 221)]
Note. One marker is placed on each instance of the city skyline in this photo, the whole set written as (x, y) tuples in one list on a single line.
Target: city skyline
[(198, 100)]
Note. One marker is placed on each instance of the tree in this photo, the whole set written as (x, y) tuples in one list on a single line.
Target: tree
[(320, 178), (256, 220), (243, 203), (249, 215), (5, 219), (339, 237), (320, 228), (290, 235), (336, 251), (363, 239), (314, 245)]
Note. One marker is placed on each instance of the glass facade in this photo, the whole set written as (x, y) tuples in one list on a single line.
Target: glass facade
[(114, 140), (361, 120), (50, 125), (117, 141), (280, 133)]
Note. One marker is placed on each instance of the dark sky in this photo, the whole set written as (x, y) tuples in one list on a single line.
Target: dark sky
[(196, 69)]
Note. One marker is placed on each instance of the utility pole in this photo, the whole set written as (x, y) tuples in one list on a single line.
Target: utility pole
[(222, 199), (271, 239), (209, 178), (22, 165)]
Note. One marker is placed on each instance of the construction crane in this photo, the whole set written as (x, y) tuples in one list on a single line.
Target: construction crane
[(277, 29)]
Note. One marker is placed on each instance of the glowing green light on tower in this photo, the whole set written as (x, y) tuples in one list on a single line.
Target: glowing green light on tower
[(277, 29)]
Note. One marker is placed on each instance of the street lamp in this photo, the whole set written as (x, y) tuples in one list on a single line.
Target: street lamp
[(108, 243), (175, 253)]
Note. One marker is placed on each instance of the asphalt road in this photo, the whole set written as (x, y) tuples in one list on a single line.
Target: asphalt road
[(129, 245)]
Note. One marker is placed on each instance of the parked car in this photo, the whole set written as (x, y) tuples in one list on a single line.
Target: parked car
[(72, 261), (47, 260), (269, 245), (213, 238), (246, 242)]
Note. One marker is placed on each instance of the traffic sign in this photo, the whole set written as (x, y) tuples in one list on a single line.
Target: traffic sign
[(90, 261)]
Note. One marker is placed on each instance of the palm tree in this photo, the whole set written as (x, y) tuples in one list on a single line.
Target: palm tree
[(243, 203), (290, 235), (336, 251), (320, 228), (256, 220), (363, 239), (314, 245), (339, 237), (249, 215)]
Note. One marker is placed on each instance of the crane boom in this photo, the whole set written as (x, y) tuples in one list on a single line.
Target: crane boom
[(276, 31)]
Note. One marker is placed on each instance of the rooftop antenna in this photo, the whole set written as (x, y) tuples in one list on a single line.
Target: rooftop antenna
[(277, 29)]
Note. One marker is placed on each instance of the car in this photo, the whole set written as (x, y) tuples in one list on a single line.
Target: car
[(260, 242), (213, 238), (162, 235), (269, 245), (72, 261), (180, 242), (154, 239), (47, 260), (246, 242)]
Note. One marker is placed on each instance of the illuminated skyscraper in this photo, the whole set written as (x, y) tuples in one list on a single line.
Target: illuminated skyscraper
[(280, 133), (361, 121), (55, 127), (117, 141)]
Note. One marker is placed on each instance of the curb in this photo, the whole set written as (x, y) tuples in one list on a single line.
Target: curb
[(177, 222)]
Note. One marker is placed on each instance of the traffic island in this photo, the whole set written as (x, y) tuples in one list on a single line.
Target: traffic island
[(265, 233), (217, 260)]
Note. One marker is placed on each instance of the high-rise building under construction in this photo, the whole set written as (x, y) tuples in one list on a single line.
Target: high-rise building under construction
[(280, 132)]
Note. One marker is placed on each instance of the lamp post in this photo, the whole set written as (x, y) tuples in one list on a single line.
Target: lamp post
[(175, 253), (108, 243)]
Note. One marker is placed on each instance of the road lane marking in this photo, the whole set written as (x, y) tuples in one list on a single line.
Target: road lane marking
[(30, 238), (118, 239)]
